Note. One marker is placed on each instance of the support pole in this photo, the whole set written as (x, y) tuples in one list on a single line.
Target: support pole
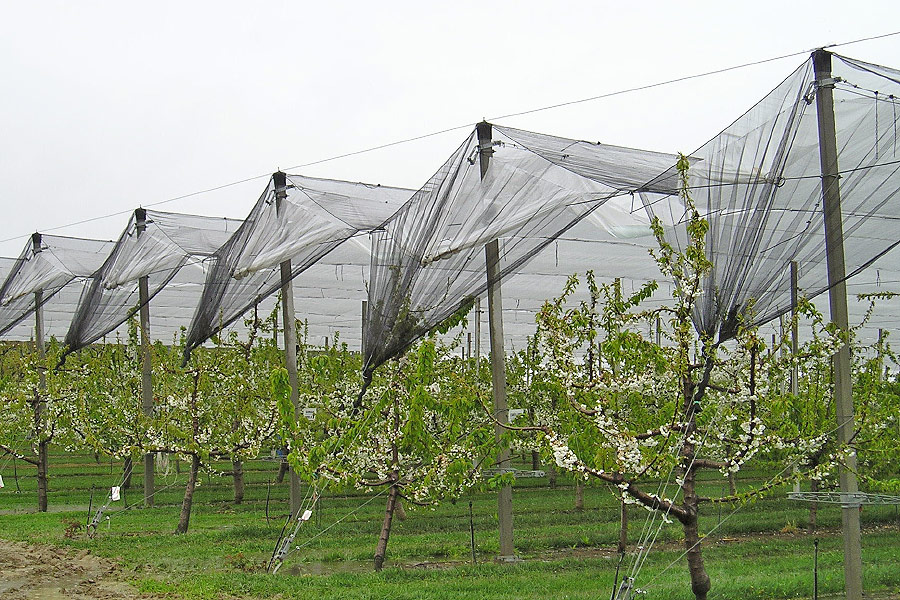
[(40, 401), (140, 216), (834, 249), (290, 332), (498, 358), (795, 344)]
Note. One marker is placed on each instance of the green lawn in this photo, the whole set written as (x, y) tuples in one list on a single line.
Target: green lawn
[(757, 551)]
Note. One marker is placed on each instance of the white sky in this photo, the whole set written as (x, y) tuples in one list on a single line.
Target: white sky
[(106, 106)]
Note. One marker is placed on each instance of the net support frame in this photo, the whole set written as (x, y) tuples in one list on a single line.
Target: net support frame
[(140, 216), (498, 359), (837, 296)]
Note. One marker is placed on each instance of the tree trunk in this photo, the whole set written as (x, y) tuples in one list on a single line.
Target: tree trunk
[(282, 471), (42, 459), (535, 460), (238, 475), (700, 583), (185, 518), (813, 506), (551, 475), (127, 468), (623, 527), (399, 510), (579, 495), (42, 475), (732, 487), (381, 549)]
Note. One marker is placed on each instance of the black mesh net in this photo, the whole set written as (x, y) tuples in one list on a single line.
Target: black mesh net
[(56, 266), (428, 259), (315, 217), (170, 252), (555, 205)]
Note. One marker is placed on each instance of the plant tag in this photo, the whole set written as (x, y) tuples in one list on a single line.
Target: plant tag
[(309, 413), (306, 515), (515, 413), (114, 493), (1, 481)]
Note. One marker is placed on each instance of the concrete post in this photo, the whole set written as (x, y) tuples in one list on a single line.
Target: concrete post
[(140, 216), (290, 332), (498, 357), (834, 248)]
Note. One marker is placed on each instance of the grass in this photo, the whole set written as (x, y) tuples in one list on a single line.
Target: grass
[(568, 553)]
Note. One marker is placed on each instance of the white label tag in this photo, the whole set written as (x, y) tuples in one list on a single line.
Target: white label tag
[(515, 413), (114, 493), (309, 413), (1, 481), (306, 515)]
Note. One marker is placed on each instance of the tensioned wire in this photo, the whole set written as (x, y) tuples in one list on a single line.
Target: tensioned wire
[(738, 508), (645, 542), (641, 560), (467, 125)]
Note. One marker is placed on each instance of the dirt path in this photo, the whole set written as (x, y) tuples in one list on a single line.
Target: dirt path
[(30, 571)]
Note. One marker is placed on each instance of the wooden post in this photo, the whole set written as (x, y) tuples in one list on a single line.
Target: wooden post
[(40, 400), (140, 216), (837, 295), (498, 357), (290, 332)]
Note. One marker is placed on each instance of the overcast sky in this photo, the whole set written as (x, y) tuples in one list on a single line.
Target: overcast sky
[(107, 106)]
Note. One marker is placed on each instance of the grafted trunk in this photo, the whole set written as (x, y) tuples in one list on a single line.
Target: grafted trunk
[(623, 527), (381, 549), (813, 506), (700, 583), (282, 471), (237, 472), (127, 468), (42, 459), (42, 475), (185, 519), (579, 495)]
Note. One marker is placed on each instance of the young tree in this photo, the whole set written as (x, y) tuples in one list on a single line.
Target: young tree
[(637, 411), (33, 402), (418, 433)]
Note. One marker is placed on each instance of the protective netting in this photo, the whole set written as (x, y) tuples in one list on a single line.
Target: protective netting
[(759, 185), (556, 205), (314, 218), (428, 259), (56, 267), (170, 252)]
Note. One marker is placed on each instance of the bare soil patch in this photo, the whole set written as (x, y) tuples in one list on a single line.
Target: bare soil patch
[(32, 571)]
